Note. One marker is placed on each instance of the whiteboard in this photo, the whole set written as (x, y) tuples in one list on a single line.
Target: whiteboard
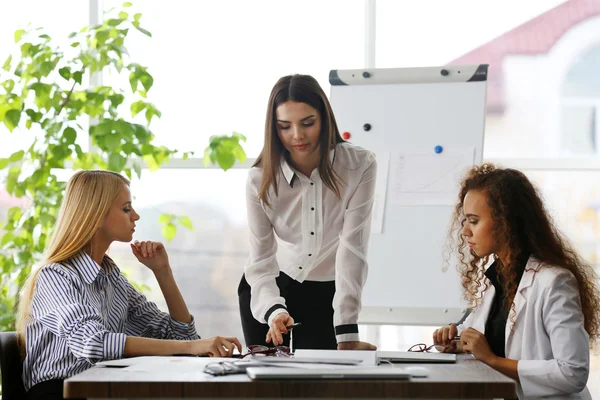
[(403, 115)]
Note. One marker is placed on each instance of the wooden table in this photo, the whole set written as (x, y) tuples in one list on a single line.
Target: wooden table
[(467, 379)]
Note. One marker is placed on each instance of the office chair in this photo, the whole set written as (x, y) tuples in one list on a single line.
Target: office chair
[(11, 367)]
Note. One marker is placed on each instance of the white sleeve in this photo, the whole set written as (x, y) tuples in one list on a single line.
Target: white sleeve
[(563, 318), (261, 270), (351, 258)]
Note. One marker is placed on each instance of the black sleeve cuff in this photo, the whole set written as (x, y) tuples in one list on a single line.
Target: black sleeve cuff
[(270, 311), (343, 329)]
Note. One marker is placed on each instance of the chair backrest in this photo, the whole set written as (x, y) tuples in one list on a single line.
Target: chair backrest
[(11, 367)]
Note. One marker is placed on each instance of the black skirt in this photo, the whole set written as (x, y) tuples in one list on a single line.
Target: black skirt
[(309, 303)]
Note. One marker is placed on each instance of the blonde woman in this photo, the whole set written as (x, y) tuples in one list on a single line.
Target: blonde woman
[(78, 308)]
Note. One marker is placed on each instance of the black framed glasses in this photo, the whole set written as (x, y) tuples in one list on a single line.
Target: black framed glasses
[(423, 348), (277, 351)]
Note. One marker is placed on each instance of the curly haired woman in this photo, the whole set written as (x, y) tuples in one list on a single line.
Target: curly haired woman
[(535, 300)]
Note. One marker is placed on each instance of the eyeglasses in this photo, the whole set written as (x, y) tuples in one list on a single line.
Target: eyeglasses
[(223, 368), (234, 367), (423, 348), (277, 351)]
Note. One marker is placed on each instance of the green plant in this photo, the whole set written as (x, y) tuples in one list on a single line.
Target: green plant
[(41, 94), (225, 150)]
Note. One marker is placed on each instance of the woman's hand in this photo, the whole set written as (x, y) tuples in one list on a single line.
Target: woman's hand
[(443, 338), (356, 346), (152, 254), (215, 347), (444, 335), (278, 327), (474, 342)]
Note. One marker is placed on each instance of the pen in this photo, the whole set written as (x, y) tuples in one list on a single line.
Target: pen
[(290, 327)]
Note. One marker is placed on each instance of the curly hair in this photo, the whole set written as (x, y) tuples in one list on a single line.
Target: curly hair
[(522, 224)]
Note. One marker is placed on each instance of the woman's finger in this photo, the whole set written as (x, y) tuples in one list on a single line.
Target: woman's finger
[(155, 248), (144, 249), (281, 326), (237, 343), (135, 251), (229, 346), (268, 338), (451, 331), (219, 350), (273, 336), (278, 329), (440, 335)]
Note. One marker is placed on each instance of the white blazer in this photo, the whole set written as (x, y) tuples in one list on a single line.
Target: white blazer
[(549, 338)]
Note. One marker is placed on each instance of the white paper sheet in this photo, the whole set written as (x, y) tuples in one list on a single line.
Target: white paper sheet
[(428, 178)]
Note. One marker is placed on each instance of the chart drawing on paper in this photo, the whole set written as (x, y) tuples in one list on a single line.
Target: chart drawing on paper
[(428, 179)]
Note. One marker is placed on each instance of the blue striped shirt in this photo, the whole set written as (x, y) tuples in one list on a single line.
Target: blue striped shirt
[(81, 313)]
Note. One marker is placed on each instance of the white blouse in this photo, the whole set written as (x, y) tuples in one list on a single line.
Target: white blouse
[(310, 234)]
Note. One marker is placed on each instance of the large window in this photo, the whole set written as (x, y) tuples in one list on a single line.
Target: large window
[(580, 112), (214, 62), (20, 14)]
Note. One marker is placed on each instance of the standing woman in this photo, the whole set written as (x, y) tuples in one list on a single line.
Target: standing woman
[(309, 200)]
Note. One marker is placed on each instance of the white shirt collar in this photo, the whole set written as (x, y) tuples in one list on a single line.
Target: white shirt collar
[(289, 173)]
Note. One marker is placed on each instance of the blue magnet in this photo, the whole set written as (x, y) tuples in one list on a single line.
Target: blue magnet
[(438, 149)]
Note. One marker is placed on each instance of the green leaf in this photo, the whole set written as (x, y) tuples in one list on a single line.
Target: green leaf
[(137, 167), (169, 231), (144, 31), (112, 142), (18, 156), (239, 153), (225, 160), (115, 21), (45, 36), (186, 222), (4, 163), (116, 162), (12, 179), (65, 72), (147, 81), (137, 17), (166, 218), (123, 15), (137, 107), (75, 44), (69, 134), (12, 118), (18, 35), (6, 65), (8, 85), (127, 4), (133, 81), (7, 238), (77, 76)]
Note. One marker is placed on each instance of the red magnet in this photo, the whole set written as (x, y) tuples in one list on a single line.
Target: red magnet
[(346, 135)]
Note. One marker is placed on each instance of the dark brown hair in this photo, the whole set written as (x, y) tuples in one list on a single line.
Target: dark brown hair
[(301, 89), (522, 225)]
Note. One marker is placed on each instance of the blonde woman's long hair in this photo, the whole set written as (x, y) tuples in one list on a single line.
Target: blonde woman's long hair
[(86, 203)]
